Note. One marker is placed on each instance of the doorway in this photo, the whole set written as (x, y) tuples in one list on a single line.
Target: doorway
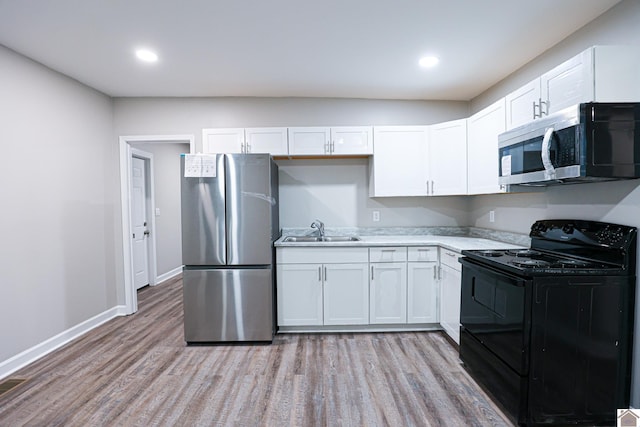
[(142, 206), (129, 146)]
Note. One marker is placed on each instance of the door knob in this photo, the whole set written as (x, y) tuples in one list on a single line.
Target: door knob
[(146, 233)]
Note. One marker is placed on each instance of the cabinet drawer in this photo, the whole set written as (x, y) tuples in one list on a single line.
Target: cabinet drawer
[(423, 254), (311, 255), (450, 258), (391, 254)]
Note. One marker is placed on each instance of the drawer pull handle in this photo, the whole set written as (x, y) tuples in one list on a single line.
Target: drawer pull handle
[(319, 274), (372, 272)]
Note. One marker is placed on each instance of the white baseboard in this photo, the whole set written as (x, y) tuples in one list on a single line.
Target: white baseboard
[(34, 353), (168, 275)]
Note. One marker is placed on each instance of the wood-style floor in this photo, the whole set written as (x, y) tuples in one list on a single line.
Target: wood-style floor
[(137, 371)]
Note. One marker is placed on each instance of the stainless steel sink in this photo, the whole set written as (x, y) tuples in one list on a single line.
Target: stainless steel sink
[(307, 239), (340, 239)]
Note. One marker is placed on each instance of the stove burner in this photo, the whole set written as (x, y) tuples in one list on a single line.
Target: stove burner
[(571, 263), (527, 262), (524, 252), (490, 253)]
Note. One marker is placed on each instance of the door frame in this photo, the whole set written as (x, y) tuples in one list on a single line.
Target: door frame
[(150, 202), (128, 287)]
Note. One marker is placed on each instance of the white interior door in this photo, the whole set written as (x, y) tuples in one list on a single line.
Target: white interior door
[(139, 222)]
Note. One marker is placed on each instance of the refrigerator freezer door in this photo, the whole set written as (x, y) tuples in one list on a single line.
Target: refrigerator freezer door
[(203, 217), (250, 205), (228, 305)]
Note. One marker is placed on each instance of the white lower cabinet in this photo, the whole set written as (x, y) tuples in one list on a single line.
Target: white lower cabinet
[(299, 294), (422, 292), (388, 297), (346, 294), (333, 290), (422, 285), (343, 286), (450, 289)]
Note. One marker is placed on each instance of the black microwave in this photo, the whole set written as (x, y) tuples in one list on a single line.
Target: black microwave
[(583, 143)]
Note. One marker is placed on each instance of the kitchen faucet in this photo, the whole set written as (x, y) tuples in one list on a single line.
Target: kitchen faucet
[(319, 225)]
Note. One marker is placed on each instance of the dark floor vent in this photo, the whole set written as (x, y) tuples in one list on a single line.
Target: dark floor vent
[(9, 384)]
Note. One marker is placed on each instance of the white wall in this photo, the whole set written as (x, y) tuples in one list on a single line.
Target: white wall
[(616, 202), (166, 158), (333, 190), (58, 259), (619, 25), (336, 191)]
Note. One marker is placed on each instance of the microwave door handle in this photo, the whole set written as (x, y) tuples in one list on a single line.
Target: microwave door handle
[(549, 170)]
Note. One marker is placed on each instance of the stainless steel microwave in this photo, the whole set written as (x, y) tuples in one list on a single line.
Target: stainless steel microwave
[(583, 143)]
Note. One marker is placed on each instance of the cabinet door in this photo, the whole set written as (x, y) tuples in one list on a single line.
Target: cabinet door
[(483, 129), (448, 158), (267, 140), (569, 83), (521, 104), (351, 140), (299, 294), (422, 292), (346, 294), (399, 164), (388, 295), (450, 289), (221, 141), (309, 141)]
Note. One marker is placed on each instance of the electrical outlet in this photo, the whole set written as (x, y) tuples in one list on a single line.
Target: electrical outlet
[(492, 216), (376, 216)]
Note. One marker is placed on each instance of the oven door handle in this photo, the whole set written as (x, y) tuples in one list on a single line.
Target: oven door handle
[(549, 170)]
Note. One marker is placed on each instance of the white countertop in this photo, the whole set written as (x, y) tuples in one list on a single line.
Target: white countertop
[(455, 243)]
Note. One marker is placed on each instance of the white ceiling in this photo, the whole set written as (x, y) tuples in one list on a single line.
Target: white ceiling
[(306, 48)]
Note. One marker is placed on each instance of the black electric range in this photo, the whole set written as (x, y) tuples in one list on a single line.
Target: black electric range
[(548, 330)]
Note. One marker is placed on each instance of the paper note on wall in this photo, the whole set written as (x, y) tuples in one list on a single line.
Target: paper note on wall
[(199, 166)]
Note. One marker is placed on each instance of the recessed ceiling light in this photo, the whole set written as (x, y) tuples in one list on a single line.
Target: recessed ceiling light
[(146, 55), (429, 61)]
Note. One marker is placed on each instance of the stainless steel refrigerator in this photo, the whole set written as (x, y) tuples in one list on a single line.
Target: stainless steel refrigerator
[(229, 224)]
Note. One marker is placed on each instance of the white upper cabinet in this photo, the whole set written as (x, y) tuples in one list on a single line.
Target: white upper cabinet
[(523, 104), (356, 140), (266, 140), (309, 141), (483, 129), (240, 140), (598, 74), (568, 84), (400, 161), (326, 141), (419, 160), (222, 141), (448, 158)]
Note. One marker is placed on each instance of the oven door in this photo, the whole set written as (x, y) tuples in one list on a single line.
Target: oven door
[(495, 311)]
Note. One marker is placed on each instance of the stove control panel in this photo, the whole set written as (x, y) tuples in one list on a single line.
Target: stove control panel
[(582, 232)]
